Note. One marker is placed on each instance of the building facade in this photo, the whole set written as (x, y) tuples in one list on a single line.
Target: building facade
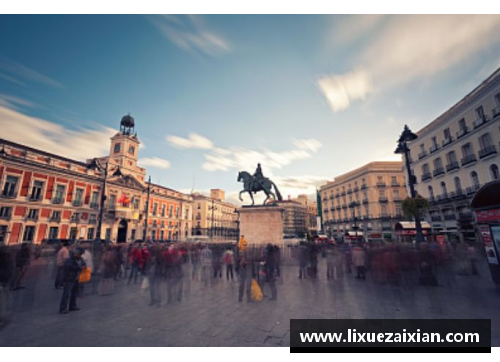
[(455, 155), (312, 212), (214, 217), (294, 219), (368, 198), (47, 196)]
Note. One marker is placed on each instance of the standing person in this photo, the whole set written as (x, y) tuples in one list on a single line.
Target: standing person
[(330, 262), (271, 270), (71, 271), (303, 257), (338, 263), (6, 275), (23, 259), (229, 262), (242, 244), (119, 261), (107, 268), (206, 263), (135, 263), (359, 261), (245, 276), (89, 264), (62, 256)]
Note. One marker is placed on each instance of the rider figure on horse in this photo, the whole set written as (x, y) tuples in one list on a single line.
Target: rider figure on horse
[(258, 177)]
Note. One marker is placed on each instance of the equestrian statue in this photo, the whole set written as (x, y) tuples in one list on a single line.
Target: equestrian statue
[(257, 182)]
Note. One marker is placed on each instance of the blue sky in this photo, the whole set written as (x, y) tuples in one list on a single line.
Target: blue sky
[(310, 97)]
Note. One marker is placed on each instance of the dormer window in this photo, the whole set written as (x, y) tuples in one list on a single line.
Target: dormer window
[(117, 148)]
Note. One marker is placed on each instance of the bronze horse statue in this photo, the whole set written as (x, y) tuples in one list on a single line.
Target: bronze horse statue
[(251, 185)]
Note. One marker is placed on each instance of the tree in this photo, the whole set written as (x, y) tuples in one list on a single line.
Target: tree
[(412, 207)]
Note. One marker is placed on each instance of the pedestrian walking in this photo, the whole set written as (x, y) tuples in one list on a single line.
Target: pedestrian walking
[(71, 271), (359, 261), (23, 259), (6, 275), (61, 257), (136, 263), (229, 262)]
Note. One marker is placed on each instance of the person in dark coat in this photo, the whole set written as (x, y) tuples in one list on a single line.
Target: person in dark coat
[(6, 275), (72, 268), (23, 259)]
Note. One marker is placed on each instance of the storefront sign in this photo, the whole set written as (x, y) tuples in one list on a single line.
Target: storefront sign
[(489, 248), (486, 216)]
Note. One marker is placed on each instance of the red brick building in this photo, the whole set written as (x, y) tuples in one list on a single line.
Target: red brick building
[(47, 196)]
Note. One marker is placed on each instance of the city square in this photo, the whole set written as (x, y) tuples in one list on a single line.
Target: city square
[(203, 180)]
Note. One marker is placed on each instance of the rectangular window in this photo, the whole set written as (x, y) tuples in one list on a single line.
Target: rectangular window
[(132, 235), (29, 233), (480, 112), (5, 212), (9, 187), (117, 148), (36, 191), (155, 208), (447, 134), (162, 235), (32, 214), (59, 196), (56, 215), (163, 210), (107, 235), (394, 180), (170, 211), (461, 125), (53, 232), (92, 219), (90, 234), (78, 197), (131, 150), (485, 141), (94, 202), (467, 150), (3, 234), (137, 200), (73, 233), (112, 201), (452, 157)]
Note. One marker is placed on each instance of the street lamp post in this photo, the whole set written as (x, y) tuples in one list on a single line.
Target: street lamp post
[(96, 165), (407, 136), (145, 230), (353, 206)]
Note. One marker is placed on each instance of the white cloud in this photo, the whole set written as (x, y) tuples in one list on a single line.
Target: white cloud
[(154, 162), (79, 144), (17, 73), (410, 47), (352, 27), (221, 159), (193, 141), (341, 90), (191, 34)]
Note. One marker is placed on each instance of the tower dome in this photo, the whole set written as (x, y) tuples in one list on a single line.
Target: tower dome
[(127, 124)]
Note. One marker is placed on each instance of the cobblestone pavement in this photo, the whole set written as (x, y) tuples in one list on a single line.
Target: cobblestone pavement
[(212, 316)]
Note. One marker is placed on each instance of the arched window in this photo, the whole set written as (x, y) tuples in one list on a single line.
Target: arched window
[(458, 185), (474, 178), (443, 188), (431, 192), (494, 172)]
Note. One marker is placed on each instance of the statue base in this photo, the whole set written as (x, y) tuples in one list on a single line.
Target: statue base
[(262, 224)]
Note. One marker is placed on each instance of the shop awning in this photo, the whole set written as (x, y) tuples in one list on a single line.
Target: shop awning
[(410, 225), (487, 197)]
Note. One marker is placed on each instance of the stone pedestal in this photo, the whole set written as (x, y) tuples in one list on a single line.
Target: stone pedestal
[(262, 224)]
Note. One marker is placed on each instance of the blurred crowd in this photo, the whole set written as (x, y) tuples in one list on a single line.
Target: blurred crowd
[(162, 269)]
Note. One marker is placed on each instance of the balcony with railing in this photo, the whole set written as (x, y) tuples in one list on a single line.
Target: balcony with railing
[(422, 154), (6, 214), (467, 160), (366, 217), (365, 201), (397, 199), (385, 216), (433, 148), (447, 141), (94, 205), (381, 184), (344, 206), (443, 197), (55, 218), (457, 194), (438, 171), (363, 187), (35, 198), (395, 184), (382, 199), (349, 191), (426, 176), (355, 189), (331, 197), (32, 216), (342, 193), (496, 112), (487, 151), (480, 121), (75, 218), (450, 217), (77, 203), (452, 166), (462, 132), (57, 200), (436, 218), (471, 190), (93, 221)]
